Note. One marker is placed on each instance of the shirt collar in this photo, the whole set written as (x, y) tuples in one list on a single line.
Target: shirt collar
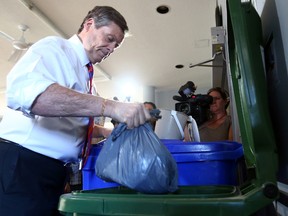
[(79, 49)]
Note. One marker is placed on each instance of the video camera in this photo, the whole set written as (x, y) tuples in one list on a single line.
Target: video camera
[(193, 105)]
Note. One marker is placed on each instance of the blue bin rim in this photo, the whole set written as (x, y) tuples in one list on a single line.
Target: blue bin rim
[(178, 146), (204, 151), (190, 151)]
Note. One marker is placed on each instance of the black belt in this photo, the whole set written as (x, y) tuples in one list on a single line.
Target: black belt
[(10, 142)]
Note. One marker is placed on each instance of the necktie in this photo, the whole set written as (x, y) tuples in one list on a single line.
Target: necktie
[(90, 72), (87, 146)]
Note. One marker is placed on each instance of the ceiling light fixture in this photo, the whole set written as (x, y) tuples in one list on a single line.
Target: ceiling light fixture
[(179, 66), (162, 9)]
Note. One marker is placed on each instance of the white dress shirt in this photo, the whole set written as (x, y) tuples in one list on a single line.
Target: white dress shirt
[(50, 60)]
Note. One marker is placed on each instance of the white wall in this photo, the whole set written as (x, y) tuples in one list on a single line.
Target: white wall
[(164, 99), (125, 88)]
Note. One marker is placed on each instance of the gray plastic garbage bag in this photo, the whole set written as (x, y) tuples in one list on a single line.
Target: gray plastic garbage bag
[(136, 158)]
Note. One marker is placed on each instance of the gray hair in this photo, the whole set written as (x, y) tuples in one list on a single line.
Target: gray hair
[(103, 16)]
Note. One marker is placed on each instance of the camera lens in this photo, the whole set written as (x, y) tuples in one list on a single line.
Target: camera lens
[(185, 108)]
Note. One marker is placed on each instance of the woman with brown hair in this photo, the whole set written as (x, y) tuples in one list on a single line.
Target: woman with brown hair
[(219, 126)]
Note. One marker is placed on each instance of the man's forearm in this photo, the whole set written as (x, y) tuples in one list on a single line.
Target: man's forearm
[(57, 100)]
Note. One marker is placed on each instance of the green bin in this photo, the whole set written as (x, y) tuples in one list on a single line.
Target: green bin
[(123, 201), (188, 200)]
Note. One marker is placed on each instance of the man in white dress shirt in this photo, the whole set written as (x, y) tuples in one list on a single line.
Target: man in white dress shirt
[(49, 107)]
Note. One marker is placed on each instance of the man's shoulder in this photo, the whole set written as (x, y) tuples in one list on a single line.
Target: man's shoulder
[(51, 43), (52, 39)]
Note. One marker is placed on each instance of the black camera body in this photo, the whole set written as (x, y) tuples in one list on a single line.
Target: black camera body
[(197, 106), (193, 105)]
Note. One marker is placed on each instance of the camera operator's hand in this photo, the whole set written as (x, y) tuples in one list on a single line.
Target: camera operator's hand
[(133, 114)]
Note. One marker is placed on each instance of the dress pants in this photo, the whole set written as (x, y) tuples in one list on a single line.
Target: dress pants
[(30, 183)]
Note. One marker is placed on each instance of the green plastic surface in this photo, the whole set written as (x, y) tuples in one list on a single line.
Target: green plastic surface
[(250, 92), (194, 200)]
